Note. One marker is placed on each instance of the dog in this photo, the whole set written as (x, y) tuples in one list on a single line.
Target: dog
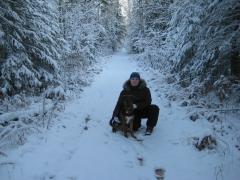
[(126, 116)]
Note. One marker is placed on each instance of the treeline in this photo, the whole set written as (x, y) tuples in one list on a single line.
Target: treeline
[(198, 40), (38, 38)]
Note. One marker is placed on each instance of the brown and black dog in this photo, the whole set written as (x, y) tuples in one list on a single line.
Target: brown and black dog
[(126, 116)]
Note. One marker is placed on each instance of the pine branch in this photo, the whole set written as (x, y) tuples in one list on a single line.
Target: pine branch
[(226, 110)]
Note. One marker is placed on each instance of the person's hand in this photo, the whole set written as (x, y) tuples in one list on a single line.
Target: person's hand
[(134, 106), (116, 119)]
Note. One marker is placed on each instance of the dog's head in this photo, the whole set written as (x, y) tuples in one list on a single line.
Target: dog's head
[(127, 105)]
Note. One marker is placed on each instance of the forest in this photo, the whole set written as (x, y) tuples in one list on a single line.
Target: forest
[(51, 51), (196, 40)]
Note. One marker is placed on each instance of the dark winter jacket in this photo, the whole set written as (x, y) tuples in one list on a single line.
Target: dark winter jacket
[(141, 95)]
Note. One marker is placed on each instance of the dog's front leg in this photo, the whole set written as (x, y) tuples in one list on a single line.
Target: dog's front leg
[(125, 128), (131, 129), (125, 131), (114, 129)]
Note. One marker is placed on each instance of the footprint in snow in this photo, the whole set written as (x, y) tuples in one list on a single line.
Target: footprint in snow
[(140, 160), (46, 176), (159, 173), (87, 118), (124, 149), (129, 164), (70, 153), (72, 178)]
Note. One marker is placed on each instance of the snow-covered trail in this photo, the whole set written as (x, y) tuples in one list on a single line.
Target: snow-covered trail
[(80, 149)]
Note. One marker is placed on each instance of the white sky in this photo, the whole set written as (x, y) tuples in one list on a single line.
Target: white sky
[(124, 4)]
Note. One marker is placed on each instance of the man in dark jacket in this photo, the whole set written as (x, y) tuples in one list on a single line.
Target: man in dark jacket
[(137, 88)]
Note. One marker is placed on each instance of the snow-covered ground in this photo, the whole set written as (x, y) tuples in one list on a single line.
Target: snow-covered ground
[(81, 146)]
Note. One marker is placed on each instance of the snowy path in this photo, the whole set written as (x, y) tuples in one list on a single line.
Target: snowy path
[(72, 151)]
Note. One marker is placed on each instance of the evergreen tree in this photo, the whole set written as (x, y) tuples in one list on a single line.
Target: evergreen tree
[(31, 39), (149, 21), (113, 21), (29, 45), (93, 27), (199, 40)]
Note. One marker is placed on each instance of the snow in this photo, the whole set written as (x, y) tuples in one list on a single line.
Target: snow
[(82, 146)]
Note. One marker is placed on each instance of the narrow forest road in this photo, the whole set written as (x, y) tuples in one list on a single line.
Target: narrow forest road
[(81, 145)]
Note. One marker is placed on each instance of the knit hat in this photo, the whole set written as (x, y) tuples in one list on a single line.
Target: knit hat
[(135, 75)]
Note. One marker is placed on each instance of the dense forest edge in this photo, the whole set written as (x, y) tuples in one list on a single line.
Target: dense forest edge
[(197, 42)]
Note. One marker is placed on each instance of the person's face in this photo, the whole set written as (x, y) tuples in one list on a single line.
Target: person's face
[(134, 81)]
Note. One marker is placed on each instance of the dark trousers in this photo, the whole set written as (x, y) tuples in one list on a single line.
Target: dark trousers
[(151, 113)]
